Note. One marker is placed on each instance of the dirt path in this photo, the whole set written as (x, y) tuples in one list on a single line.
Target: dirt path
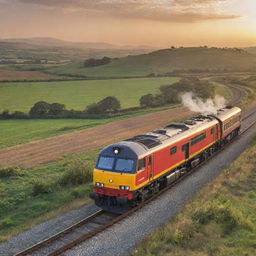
[(47, 150)]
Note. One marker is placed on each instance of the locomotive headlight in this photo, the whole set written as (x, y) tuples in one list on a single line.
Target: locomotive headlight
[(124, 187), (116, 150), (98, 184)]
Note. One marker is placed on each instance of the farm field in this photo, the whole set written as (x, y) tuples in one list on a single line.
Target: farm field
[(78, 94), (13, 132), (13, 75), (220, 220)]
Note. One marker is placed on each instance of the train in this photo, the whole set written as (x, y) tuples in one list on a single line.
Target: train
[(129, 172)]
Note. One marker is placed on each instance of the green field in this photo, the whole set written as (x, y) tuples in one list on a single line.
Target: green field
[(220, 221), (13, 132), (29, 197), (167, 60), (78, 94)]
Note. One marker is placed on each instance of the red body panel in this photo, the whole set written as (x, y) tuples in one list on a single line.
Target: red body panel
[(113, 192), (163, 160)]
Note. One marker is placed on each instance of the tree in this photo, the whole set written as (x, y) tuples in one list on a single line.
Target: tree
[(41, 108), (109, 104), (147, 100), (56, 109), (93, 109), (96, 62)]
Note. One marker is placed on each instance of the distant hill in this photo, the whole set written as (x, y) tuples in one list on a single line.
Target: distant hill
[(250, 49), (58, 50), (53, 42), (168, 60)]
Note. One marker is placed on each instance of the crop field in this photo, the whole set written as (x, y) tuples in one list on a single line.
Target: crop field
[(13, 75), (77, 94), (13, 132)]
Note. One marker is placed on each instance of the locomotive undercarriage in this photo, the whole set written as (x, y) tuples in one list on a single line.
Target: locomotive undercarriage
[(121, 205)]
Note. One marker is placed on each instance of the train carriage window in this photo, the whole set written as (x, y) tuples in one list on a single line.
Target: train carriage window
[(212, 130), (231, 123), (173, 150), (141, 164)]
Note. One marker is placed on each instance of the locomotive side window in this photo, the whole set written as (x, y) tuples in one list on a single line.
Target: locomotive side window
[(198, 138), (212, 130), (150, 160), (173, 150), (141, 164)]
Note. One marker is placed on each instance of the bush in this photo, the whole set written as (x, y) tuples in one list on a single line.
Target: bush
[(109, 104), (11, 171), (96, 62), (221, 214), (41, 187), (6, 222), (76, 173), (41, 108), (79, 192), (169, 94)]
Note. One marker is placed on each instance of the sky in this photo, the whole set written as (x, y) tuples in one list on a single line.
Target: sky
[(156, 23)]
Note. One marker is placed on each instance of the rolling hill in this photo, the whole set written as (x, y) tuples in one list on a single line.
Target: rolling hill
[(59, 50), (167, 60)]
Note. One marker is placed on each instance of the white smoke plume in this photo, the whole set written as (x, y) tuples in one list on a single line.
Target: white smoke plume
[(208, 106)]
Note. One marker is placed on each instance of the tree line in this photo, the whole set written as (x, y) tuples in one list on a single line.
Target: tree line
[(109, 106)]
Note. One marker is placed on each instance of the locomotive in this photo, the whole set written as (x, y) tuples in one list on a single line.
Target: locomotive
[(130, 171)]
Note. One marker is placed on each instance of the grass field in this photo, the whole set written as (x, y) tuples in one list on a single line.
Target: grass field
[(29, 197), (13, 132), (77, 94), (167, 60), (219, 221)]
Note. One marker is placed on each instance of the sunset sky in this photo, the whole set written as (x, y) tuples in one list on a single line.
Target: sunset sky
[(157, 23)]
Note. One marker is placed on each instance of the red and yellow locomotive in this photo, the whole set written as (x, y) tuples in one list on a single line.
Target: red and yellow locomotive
[(132, 170)]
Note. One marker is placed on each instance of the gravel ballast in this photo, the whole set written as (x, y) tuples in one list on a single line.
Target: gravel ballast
[(122, 238)]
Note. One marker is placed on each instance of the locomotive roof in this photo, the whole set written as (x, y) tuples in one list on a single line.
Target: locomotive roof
[(143, 144)]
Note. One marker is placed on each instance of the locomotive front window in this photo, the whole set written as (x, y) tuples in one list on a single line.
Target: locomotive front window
[(124, 165), (106, 163)]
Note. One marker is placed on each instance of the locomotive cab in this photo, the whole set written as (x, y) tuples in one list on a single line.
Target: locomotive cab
[(115, 174)]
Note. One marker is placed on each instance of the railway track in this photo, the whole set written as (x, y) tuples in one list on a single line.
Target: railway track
[(101, 220)]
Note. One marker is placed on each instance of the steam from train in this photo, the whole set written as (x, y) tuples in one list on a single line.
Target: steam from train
[(208, 106)]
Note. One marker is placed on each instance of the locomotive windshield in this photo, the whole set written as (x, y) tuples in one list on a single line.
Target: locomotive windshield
[(116, 164)]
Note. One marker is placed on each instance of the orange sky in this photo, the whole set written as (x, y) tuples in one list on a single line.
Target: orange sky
[(156, 23)]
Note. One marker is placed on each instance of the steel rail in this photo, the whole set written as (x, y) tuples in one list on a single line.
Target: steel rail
[(120, 217)]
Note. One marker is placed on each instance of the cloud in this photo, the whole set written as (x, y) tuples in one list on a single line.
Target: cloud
[(162, 10)]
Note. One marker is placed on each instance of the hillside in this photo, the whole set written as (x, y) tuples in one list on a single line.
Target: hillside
[(58, 50), (251, 50), (167, 60)]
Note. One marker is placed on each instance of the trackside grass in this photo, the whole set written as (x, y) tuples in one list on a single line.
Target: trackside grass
[(31, 196), (219, 221)]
